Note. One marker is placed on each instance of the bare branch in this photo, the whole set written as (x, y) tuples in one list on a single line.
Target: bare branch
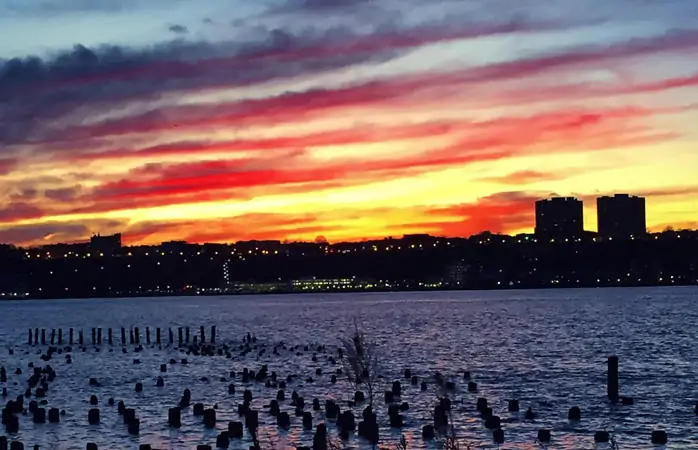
[(360, 360), (402, 445), (449, 440), (334, 444)]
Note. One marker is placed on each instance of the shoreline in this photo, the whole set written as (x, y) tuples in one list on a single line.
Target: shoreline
[(343, 291)]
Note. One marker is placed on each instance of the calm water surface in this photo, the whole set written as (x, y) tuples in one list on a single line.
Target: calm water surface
[(546, 348)]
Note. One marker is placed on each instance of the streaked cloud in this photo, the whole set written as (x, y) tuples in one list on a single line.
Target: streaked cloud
[(387, 117)]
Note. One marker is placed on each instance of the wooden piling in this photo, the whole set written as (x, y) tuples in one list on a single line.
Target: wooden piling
[(137, 335), (174, 417), (612, 379), (70, 336), (171, 336), (186, 334), (60, 336), (179, 335), (53, 336), (110, 337), (147, 335), (43, 336), (123, 336), (94, 336), (29, 340), (99, 336), (36, 336), (81, 338), (202, 333), (157, 335), (130, 335), (213, 334)]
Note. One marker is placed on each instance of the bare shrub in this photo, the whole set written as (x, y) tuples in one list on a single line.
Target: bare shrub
[(448, 439), (360, 361)]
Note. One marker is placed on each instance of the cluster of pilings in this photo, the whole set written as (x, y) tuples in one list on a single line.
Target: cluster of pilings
[(38, 386), (367, 427), (132, 336)]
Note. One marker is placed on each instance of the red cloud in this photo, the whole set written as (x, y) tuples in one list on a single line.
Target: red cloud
[(20, 211), (292, 171), (498, 213), (524, 177), (217, 180), (7, 165), (286, 172), (355, 135)]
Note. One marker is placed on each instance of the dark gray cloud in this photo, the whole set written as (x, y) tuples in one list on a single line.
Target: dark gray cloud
[(38, 95), (31, 233), (329, 4), (36, 8), (63, 194), (19, 210), (356, 12), (23, 194), (649, 12), (178, 29), (53, 232), (41, 98)]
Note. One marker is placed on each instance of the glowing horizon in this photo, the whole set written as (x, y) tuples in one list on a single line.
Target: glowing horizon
[(350, 120)]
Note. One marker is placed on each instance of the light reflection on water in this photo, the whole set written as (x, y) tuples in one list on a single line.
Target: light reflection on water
[(546, 348)]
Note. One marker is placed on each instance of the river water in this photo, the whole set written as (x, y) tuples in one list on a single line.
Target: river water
[(548, 349)]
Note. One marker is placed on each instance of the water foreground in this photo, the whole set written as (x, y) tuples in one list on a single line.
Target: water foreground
[(545, 348)]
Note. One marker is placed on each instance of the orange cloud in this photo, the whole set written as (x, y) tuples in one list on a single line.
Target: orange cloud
[(497, 139), (524, 177), (504, 212)]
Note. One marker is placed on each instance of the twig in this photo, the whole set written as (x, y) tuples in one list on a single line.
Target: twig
[(450, 440), (402, 445), (360, 361)]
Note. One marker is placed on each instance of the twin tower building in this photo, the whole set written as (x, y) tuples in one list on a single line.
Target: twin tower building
[(619, 217)]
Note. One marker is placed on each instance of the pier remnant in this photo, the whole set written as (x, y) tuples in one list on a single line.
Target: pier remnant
[(659, 437), (612, 379), (574, 414), (601, 437)]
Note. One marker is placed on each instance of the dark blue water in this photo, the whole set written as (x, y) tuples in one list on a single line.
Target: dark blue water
[(546, 348)]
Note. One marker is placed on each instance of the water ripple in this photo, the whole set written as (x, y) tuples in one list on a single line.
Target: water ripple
[(546, 348)]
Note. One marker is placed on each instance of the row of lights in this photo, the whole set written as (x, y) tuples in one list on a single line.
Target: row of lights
[(328, 249)]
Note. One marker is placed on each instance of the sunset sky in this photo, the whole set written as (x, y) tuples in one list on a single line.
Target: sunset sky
[(226, 120)]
